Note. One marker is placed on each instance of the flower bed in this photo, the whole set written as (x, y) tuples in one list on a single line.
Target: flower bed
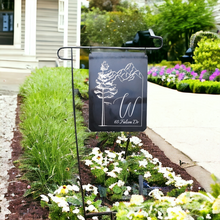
[(115, 180), (185, 79)]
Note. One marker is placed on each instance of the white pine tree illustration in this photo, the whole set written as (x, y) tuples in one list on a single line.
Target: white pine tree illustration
[(105, 88)]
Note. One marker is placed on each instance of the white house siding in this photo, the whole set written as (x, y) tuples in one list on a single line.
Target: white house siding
[(49, 39)]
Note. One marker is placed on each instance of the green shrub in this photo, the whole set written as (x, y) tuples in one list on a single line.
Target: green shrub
[(169, 63), (215, 187), (207, 55), (196, 86), (195, 38)]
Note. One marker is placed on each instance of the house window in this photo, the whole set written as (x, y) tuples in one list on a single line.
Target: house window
[(61, 15)]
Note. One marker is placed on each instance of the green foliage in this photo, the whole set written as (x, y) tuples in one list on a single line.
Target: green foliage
[(176, 192), (113, 28), (48, 129), (215, 187), (108, 138), (196, 86), (81, 82), (207, 55), (169, 63), (177, 20), (195, 38)]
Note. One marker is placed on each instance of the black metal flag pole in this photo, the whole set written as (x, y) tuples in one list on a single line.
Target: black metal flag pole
[(89, 215), (76, 139)]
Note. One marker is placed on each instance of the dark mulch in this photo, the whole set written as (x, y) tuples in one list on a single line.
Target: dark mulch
[(28, 209)]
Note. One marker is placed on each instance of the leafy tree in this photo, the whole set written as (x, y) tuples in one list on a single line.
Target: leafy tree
[(177, 20), (113, 28), (107, 5)]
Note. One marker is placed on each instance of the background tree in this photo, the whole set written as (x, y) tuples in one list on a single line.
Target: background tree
[(177, 20), (113, 28), (107, 5)]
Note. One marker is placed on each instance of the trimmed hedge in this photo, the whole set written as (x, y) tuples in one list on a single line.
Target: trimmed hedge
[(196, 86)]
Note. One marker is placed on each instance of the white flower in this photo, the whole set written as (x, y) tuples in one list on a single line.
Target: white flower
[(76, 211), (147, 175), (120, 156), (89, 202), (208, 216), (122, 138), (112, 185), (135, 140), (73, 188), (62, 189), (118, 141), (116, 204), (146, 154), (110, 154), (126, 193), (128, 188), (90, 188), (95, 151), (173, 212), (143, 163), (137, 199), (105, 169), (159, 215), (98, 158), (44, 198), (80, 217), (155, 161), (120, 183), (117, 169), (112, 174), (91, 208), (95, 218), (65, 209), (156, 194), (88, 162), (171, 200)]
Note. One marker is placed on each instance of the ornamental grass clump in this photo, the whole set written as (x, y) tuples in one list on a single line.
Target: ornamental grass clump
[(48, 130)]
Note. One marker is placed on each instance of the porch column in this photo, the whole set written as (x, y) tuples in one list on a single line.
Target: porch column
[(17, 24), (30, 27)]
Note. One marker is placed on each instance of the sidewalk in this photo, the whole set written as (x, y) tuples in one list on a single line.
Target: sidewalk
[(10, 80), (189, 123)]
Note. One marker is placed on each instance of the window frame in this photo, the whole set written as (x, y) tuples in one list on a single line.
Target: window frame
[(61, 15)]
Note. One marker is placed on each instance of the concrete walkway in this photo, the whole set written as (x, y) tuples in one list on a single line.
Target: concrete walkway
[(189, 123), (11, 79)]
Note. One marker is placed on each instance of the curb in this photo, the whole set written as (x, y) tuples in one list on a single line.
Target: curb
[(175, 155)]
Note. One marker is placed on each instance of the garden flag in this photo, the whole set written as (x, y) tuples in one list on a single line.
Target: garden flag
[(117, 91)]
